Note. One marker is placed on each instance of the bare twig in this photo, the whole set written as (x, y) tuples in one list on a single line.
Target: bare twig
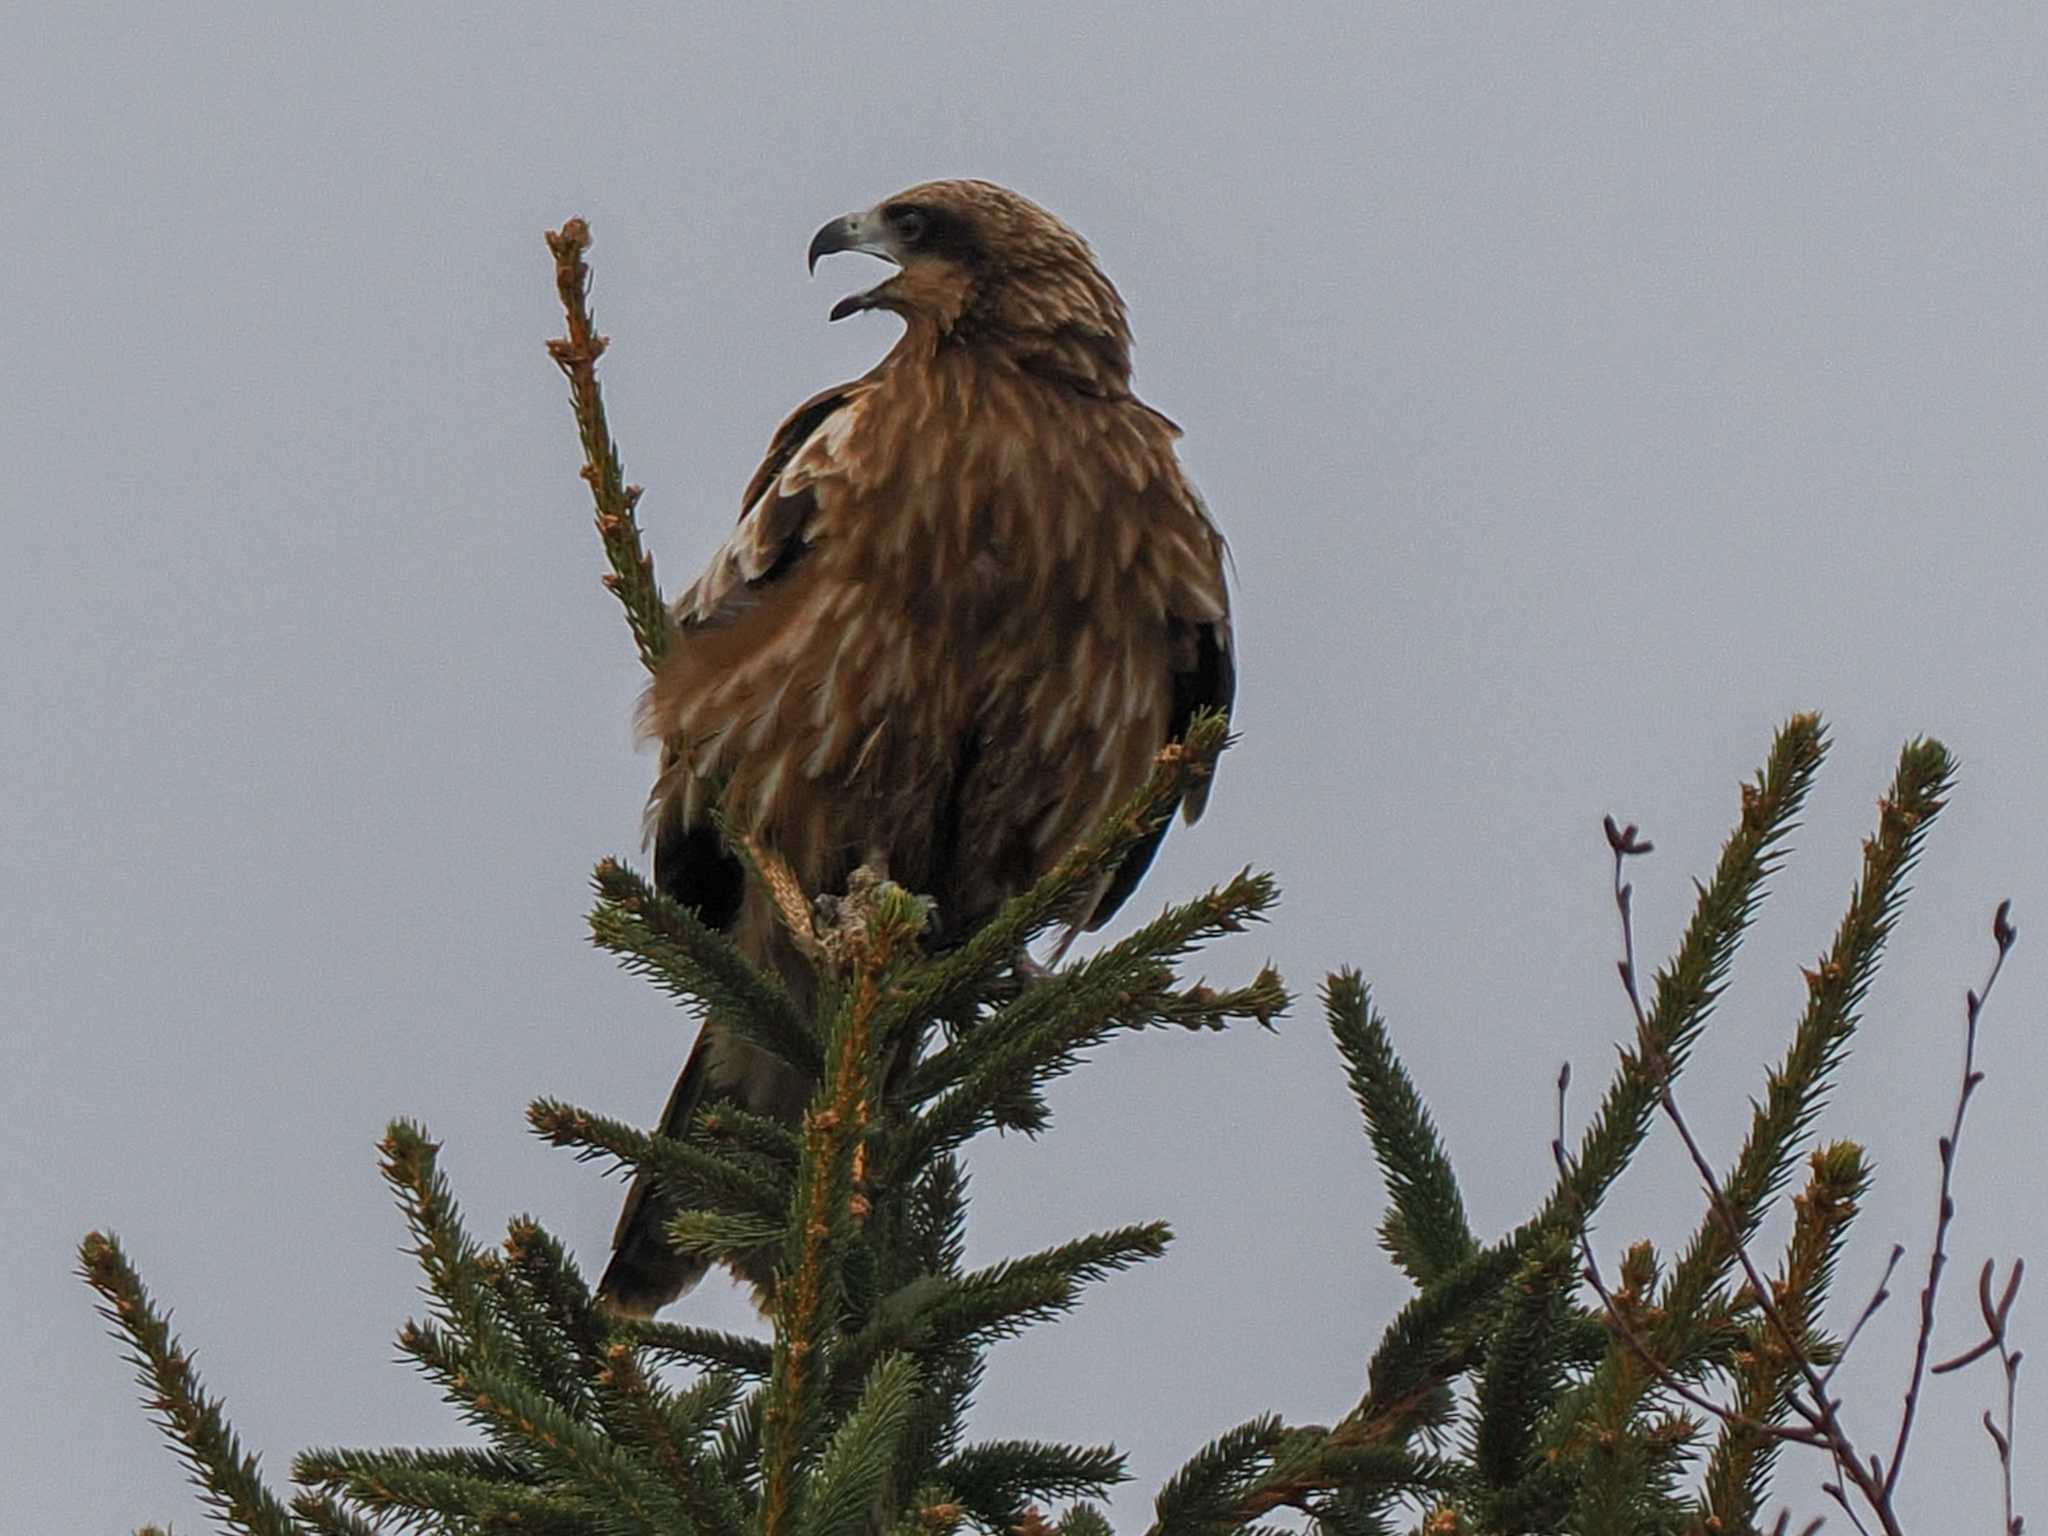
[(1834, 1491), (1625, 843), (2002, 934), (2010, 1359), (1878, 1298), (1997, 1315)]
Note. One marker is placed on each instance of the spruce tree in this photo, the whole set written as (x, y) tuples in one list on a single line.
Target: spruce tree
[(1520, 1389)]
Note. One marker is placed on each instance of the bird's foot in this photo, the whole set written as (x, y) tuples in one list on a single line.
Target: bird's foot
[(842, 922)]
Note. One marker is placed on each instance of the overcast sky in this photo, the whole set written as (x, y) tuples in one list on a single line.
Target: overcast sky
[(1583, 389)]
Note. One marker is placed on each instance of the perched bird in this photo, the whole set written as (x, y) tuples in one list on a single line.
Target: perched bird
[(970, 597)]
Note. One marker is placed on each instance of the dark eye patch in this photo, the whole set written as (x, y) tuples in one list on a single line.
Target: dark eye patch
[(938, 231)]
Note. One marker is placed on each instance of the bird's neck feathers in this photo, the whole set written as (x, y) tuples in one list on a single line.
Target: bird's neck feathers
[(1063, 323)]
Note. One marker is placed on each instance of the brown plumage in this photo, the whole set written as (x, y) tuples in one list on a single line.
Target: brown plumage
[(970, 596)]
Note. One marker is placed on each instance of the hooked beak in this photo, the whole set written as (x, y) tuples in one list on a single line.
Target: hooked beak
[(861, 232)]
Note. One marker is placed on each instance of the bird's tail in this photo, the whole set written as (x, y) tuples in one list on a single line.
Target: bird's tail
[(645, 1274)]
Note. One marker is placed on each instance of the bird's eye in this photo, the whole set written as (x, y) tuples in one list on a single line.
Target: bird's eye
[(912, 226)]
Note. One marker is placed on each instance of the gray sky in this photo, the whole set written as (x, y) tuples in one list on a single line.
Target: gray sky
[(1583, 390)]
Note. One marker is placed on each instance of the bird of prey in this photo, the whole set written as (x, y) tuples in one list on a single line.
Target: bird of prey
[(970, 596)]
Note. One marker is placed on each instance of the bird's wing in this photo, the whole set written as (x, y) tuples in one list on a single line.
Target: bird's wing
[(691, 862), (775, 512), (1204, 677)]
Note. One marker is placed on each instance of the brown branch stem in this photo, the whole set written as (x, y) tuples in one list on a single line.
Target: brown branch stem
[(834, 1133), (631, 578)]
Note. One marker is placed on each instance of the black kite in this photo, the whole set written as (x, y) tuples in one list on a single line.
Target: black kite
[(970, 596)]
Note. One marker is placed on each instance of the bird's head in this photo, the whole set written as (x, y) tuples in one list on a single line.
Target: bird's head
[(980, 263)]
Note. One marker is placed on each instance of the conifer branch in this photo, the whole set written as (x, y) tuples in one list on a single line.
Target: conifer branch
[(1812, 1405), (1873, 1480), (1262, 1465), (1519, 1377), (1432, 1342), (548, 1357), (1128, 985), (670, 1428), (1779, 1373), (704, 1348), (1687, 988), (631, 578), (740, 1133), (1082, 1520), (902, 1320), (996, 1479), (976, 1082), (1000, 1301), (1426, 1343), (855, 1464), (738, 1451), (326, 1468), (1425, 1228), (671, 946), (1796, 1090), (230, 1481), (544, 1267), (1739, 1469), (413, 1485), (684, 1168), (1608, 1405), (1619, 1318), (722, 1239), (455, 1270), (420, 1498), (590, 1466), (1205, 1495), (320, 1514)]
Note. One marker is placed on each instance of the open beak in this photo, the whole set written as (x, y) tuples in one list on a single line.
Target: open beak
[(861, 232)]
